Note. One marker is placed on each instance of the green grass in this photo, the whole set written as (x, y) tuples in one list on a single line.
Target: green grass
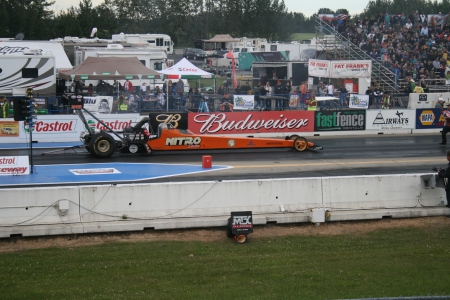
[(407, 262)]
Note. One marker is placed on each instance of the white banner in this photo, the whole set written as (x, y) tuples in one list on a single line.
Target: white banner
[(350, 68), (67, 128), (390, 119), (318, 68), (101, 104), (14, 165), (243, 102), (358, 101)]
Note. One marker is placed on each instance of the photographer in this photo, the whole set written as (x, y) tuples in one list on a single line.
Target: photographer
[(445, 173)]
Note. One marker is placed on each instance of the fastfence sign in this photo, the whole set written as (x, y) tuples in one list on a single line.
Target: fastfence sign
[(340, 120)]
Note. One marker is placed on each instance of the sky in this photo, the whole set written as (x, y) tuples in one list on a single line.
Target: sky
[(354, 7)]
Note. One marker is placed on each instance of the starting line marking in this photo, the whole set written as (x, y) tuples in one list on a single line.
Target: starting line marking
[(102, 172)]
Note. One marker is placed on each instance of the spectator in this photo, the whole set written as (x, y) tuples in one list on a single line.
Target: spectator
[(4, 107), (343, 96), (128, 86), (278, 91), (387, 102), (226, 104), (418, 89)]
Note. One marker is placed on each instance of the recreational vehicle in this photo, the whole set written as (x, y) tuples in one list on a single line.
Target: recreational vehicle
[(154, 40), (27, 70), (37, 47), (71, 42)]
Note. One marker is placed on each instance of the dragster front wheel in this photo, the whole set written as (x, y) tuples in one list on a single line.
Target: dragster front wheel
[(102, 145), (300, 144)]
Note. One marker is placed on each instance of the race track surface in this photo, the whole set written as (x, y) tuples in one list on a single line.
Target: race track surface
[(342, 156)]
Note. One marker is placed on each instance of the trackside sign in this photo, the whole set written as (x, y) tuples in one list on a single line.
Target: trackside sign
[(14, 165)]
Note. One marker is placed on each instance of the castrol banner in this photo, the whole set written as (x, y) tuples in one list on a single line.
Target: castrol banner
[(318, 68), (14, 165), (63, 128), (251, 122), (350, 68)]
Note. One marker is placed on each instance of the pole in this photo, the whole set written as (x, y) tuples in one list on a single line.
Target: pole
[(30, 127)]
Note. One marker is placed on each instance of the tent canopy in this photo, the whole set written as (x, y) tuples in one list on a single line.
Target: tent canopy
[(185, 70), (105, 68), (222, 38)]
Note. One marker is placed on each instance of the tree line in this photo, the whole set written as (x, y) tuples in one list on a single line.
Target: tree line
[(184, 20)]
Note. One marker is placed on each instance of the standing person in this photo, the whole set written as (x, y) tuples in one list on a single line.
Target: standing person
[(387, 101), (269, 92), (278, 91), (343, 96), (330, 90), (445, 173), (369, 92), (378, 94), (226, 104), (4, 107), (446, 129), (128, 86), (221, 90), (303, 89), (440, 104)]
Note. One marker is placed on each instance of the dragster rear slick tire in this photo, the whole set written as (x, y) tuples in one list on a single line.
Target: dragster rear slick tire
[(300, 144), (102, 145)]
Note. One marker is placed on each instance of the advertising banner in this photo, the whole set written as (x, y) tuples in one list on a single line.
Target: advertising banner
[(350, 68), (177, 120), (115, 122), (251, 122), (9, 129), (62, 128), (243, 102), (14, 165), (294, 100), (390, 119), (318, 68), (340, 120), (429, 118), (101, 104), (358, 101)]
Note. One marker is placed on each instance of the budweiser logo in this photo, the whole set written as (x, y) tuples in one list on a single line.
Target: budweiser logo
[(213, 123)]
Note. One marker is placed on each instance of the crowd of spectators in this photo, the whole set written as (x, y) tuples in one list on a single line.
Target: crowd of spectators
[(413, 47)]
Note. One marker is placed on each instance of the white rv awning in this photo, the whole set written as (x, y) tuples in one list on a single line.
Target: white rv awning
[(42, 47)]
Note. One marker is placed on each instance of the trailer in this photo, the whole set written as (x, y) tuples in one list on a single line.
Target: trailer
[(155, 40), (28, 70), (54, 48)]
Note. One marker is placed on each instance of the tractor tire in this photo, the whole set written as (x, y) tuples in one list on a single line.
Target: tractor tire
[(102, 145)]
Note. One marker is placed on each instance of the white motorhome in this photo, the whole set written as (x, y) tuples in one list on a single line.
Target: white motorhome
[(154, 40), (151, 58), (42, 47), (71, 42), (29, 69)]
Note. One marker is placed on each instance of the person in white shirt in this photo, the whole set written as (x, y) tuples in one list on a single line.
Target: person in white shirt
[(424, 30), (330, 89), (408, 24)]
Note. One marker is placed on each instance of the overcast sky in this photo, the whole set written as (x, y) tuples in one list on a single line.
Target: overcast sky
[(307, 8)]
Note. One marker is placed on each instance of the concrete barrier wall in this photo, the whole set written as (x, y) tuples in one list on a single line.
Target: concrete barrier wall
[(34, 211)]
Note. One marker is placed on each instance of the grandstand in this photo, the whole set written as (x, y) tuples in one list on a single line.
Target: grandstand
[(400, 48)]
